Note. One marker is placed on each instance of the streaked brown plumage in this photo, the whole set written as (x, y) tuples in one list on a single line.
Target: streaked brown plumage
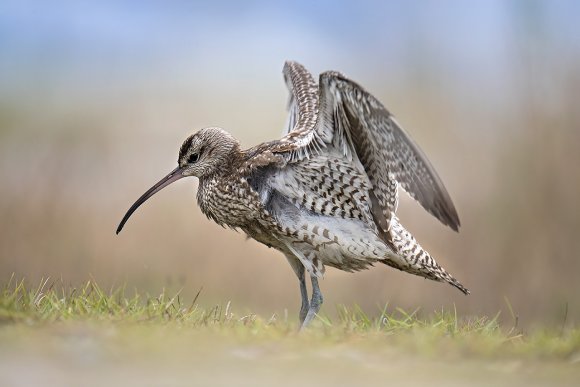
[(326, 193)]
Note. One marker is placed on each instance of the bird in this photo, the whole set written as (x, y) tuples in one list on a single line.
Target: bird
[(326, 192)]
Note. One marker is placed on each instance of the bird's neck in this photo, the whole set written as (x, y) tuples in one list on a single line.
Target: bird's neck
[(210, 192), (206, 194)]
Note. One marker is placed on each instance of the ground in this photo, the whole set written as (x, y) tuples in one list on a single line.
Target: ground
[(87, 336)]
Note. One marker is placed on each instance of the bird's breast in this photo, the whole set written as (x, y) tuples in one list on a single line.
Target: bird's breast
[(230, 203)]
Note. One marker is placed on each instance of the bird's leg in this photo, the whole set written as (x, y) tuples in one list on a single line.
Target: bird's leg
[(299, 270), (304, 293), (315, 302)]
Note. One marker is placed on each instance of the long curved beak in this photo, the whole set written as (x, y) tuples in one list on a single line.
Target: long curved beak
[(170, 178)]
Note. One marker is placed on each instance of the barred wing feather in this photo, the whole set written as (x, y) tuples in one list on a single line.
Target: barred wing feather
[(339, 113), (385, 150)]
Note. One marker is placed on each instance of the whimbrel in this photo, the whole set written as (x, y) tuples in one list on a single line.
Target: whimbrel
[(326, 193)]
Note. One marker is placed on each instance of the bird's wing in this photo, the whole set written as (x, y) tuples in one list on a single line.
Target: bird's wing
[(302, 102), (387, 153), (327, 185), (302, 106), (339, 114), (299, 137)]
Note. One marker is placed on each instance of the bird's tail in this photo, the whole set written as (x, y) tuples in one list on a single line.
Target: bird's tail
[(409, 256)]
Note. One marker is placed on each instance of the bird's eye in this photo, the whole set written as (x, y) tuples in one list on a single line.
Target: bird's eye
[(193, 158)]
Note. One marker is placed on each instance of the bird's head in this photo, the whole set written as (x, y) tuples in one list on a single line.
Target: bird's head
[(205, 152), (202, 154)]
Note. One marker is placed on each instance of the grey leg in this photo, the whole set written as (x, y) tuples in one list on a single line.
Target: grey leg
[(299, 270), (304, 293), (315, 302)]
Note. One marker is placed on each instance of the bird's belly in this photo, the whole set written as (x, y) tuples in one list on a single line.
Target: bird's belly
[(347, 244)]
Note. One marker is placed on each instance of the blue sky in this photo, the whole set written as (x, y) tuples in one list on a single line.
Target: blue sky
[(125, 41)]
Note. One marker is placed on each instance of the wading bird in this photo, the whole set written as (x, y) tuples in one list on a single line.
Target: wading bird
[(326, 193)]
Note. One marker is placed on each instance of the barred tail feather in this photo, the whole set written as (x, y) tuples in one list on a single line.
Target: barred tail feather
[(412, 258)]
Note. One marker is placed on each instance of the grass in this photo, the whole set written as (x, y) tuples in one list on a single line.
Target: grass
[(65, 335)]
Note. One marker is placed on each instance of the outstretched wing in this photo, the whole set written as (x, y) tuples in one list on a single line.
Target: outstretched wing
[(386, 151), (302, 104), (339, 113), (308, 172), (300, 138)]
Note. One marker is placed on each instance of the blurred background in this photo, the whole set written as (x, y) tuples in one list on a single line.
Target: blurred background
[(96, 98)]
